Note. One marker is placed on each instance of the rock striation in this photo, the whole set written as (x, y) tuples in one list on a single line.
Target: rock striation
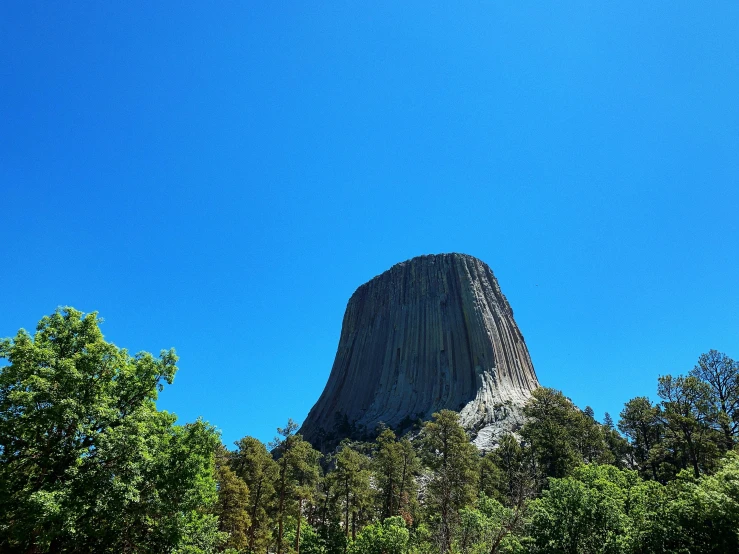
[(432, 333)]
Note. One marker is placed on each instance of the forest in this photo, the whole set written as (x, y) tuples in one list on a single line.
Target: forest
[(89, 464)]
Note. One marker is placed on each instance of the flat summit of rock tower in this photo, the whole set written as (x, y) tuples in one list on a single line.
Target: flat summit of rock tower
[(431, 333)]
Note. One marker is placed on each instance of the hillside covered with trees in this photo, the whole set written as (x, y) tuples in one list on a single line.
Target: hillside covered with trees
[(89, 464)]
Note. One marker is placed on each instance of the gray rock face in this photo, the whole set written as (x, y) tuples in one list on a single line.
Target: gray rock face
[(431, 333)]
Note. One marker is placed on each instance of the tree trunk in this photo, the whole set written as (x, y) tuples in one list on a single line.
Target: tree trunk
[(280, 511), (727, 436), (325, 507), (693, 456), (346, 513), (346, 516), (253, 527), (402, 482), (445, 535), (297, 532), (389, 505)]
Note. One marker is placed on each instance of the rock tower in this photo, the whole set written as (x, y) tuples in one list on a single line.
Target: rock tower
[(432, 333)]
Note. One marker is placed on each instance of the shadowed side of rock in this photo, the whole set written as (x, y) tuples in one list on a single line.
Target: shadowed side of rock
[(432, 333)]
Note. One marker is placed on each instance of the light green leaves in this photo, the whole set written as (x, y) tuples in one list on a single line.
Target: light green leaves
[(87, 462)]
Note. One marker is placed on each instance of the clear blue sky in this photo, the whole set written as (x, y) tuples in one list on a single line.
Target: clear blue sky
[(219, 177)]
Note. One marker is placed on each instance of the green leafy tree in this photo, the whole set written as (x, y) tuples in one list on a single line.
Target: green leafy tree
[(298, 472), (493, 481), (389, 537), (326, 513), (326, 509), (394, 466), (489, 527), (311, 541), (332, 538), (583, 513), (548, 431), (618, 447), (590, 440), (560, 435), (386, 466), (706, 510), (304, 460), (87, 462), (410, 465), (689, 417), (283, 444), (721, 374), (232, 506), (644, 430), (653, 527), (601, 509), (510, 476), (453, 461), (255, 466), (200, 536), (352, 478)]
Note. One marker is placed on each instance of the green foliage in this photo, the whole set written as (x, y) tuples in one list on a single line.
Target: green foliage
[(352, 480), (252, 463), (721, 374), (453, 462), (395, 466), (584, 513), (560, 435), (201, 535), (298, 473), (641, 425), (489, 527), (695, 422), (87, 462), (388, 537), (689, 419), (232, 506), (705, 512), (332, 539), (507, 472), (617, 446), (606, 510), (493, 481), (311, 541)]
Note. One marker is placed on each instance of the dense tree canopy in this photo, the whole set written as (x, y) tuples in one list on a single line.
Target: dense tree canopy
[(255, 466), (88, 464), (453, 461)]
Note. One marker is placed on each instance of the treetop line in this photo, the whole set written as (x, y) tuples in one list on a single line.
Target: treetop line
[(88, 464)]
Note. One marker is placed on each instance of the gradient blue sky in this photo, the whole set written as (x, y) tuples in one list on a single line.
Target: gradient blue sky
[(219, 177)]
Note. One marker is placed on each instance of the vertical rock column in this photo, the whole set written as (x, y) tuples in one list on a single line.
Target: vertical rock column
[(432, 333)]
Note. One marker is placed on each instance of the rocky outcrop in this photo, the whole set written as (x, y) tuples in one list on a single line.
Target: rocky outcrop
[(431, 333)]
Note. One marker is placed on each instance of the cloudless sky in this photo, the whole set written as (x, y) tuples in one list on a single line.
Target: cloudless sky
[(221, 176)]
